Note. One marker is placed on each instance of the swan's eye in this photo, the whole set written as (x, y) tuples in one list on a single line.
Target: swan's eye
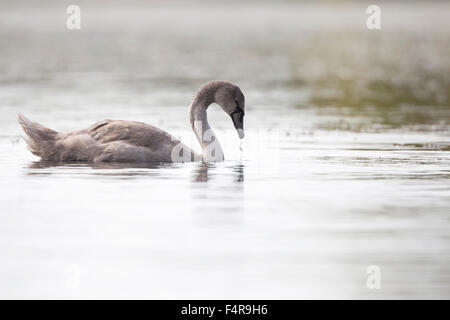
[(237, 104)]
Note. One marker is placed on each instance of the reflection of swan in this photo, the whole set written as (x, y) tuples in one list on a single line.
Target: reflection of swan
[(102, 169), (239, 169), (201, 172), (128, 141)]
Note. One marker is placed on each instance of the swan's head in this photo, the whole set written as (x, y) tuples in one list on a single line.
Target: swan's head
[(231, 99)]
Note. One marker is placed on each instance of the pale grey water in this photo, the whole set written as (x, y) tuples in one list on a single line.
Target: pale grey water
[(345, 163)]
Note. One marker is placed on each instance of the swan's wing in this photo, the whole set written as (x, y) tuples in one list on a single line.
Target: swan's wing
[(133, 133)]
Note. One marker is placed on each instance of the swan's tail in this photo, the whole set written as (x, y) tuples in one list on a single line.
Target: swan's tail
[(40, 139)]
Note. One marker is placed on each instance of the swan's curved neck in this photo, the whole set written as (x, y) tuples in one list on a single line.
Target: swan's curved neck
[(211, 149)]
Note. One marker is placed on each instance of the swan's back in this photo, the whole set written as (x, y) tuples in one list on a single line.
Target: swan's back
[(107, 140)]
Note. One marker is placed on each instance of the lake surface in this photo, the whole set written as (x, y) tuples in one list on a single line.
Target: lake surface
[(345, 164)]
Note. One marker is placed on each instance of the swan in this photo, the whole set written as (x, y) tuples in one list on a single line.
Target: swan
[(130, 141)]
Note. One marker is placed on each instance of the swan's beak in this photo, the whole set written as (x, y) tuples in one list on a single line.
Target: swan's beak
[(238, 121)]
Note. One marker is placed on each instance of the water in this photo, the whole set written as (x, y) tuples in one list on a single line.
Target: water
[(345, 163)]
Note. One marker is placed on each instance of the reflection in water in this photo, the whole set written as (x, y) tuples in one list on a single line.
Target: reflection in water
[(99, 169), (239, 169), (201, 171), (220, 202)]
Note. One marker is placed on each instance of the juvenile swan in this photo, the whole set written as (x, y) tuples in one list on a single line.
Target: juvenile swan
[(129, 141)]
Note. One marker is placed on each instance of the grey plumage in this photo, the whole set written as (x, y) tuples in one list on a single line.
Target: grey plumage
[(119, 140)]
